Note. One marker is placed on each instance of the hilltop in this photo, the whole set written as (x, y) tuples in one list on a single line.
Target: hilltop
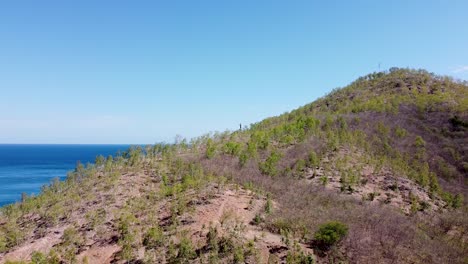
[(375, 172)]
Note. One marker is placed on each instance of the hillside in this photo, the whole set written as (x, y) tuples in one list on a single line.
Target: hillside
[(375, 172)]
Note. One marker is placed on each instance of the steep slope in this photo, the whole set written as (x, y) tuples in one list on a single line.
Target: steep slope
[(400, 113), (375, 172)]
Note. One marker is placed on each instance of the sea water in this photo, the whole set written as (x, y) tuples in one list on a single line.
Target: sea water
[(25, 168)]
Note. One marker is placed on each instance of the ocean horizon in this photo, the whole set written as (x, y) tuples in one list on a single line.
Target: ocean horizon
[(25, 168)]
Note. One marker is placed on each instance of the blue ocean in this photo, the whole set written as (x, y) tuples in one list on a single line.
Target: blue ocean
[(25, 168)]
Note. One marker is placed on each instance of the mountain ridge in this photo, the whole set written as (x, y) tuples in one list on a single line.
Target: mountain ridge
[(374, 172)]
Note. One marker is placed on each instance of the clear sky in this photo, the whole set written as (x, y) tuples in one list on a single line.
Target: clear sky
[(143, 71)]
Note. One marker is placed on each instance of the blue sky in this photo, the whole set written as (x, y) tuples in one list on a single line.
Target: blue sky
[(144, 71)]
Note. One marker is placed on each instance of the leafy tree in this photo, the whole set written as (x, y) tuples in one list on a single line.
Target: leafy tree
[(434, 186), (108, 165), (232, 148), (260, 139), (243, 158), (99, 161), (252, 149), (269, 167), (210, 149), (424, 175), (329, 234)]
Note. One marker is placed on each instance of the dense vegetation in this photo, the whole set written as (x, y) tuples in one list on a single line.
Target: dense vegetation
[(375, 172)]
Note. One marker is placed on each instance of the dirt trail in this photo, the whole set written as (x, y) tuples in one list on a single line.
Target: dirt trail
[(43, 244)]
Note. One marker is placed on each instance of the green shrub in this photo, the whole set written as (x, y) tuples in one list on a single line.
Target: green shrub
[(294, 257), (38, 258), (300, 166), (71, 242), (252, 149), (226, 245), (96, 217), (329, 234), (13, 236), (239, 255), (243, 158), (324, 180), (232, 148), (287, 139), (268, 205), (457, 201), (434, 186), (127, 235), (419, 142), (3, 242), (313, 160), (269, 166), (210, 149), (400, 132), (260, 139), (257, 219), (186, 251), (212, 239), (154, 238), (99, 161), (52, 257)]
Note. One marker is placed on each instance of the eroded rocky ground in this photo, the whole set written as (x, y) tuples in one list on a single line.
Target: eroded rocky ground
[(226, 210), (110, 223)]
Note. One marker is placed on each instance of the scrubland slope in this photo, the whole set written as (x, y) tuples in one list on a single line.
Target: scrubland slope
[(374, 172)]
